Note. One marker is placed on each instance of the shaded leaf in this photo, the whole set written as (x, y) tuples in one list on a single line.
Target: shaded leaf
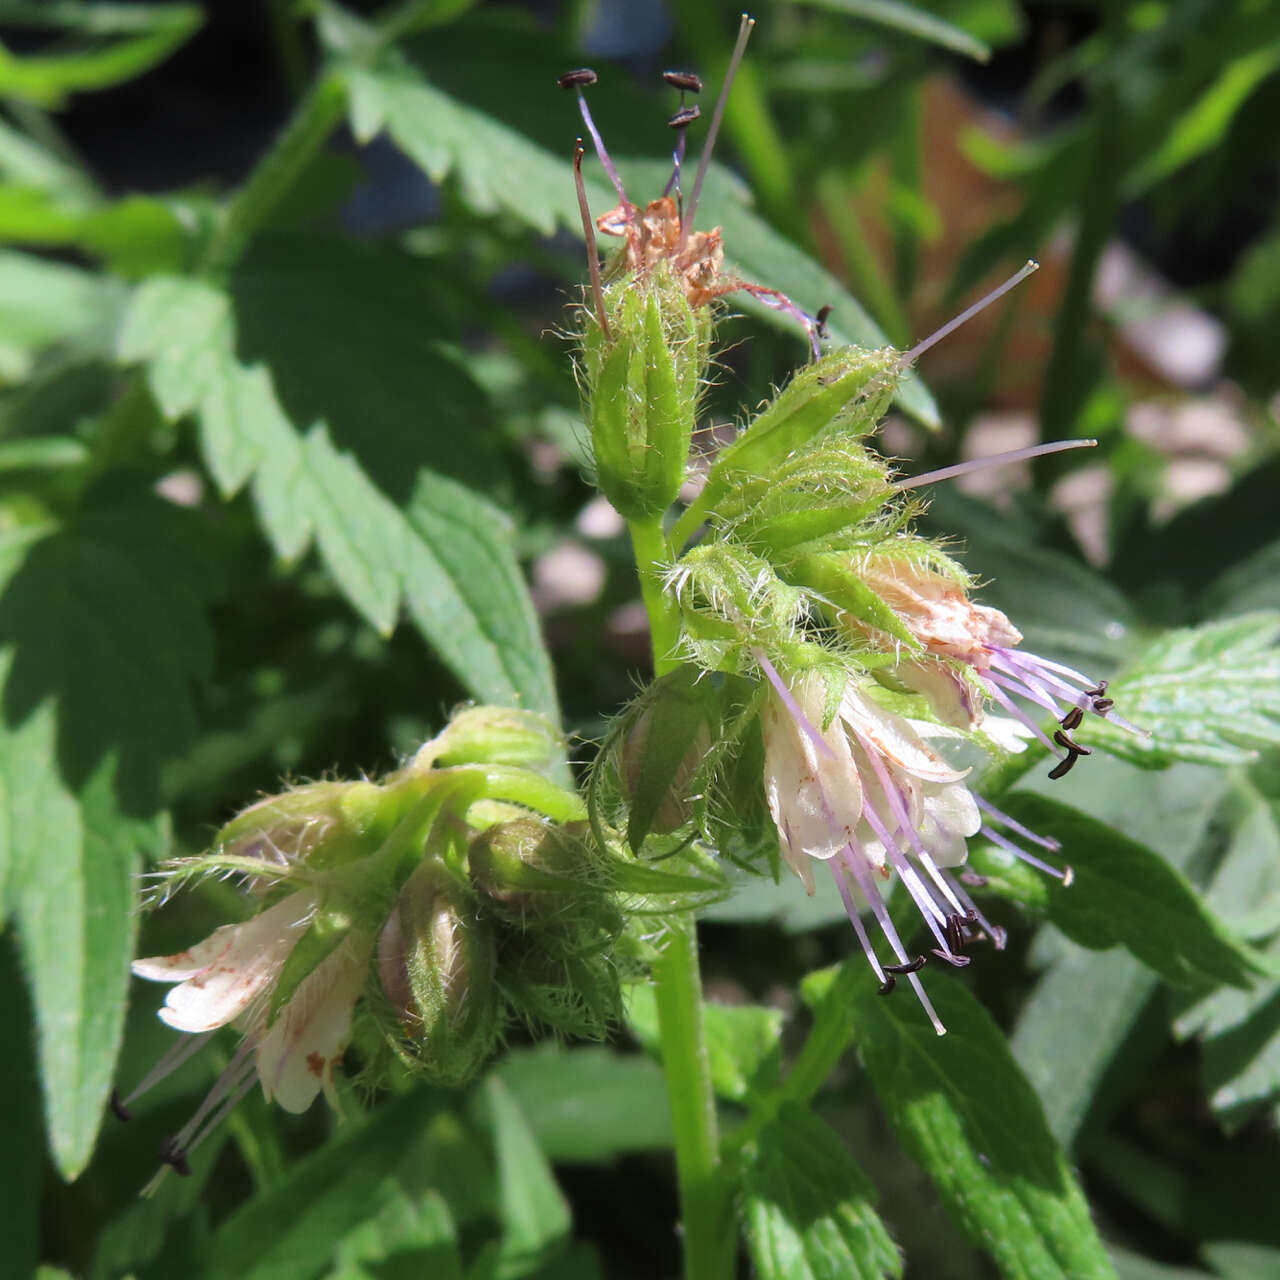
[(809, 1211), (588, 1104), (340, 431)]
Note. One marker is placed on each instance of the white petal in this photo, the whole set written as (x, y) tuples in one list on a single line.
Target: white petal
[(895, 739), (241, 971), (297, 1054)]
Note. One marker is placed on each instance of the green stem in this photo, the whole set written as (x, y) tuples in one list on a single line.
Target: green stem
[(315, 119), (709, 1239), (652, 553), (704, 1200)]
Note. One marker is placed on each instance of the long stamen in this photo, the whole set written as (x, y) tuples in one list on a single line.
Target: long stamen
[(174, 1057), (994, 689), (1065, 875), (969, 312), (589, 231), (855, 860), (855, 919), (999, 815), (577, 80), (995, 460), (744, 34), (993, 931)]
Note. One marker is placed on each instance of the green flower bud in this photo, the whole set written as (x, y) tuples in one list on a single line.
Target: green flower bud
[(847, 391), (526, 866), (436, 965), (640, 389), (491, 735)]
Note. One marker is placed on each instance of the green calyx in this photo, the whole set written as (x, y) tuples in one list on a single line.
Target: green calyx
[(640, 386)]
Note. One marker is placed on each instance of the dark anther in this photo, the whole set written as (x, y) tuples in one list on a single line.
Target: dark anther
[(824, 314), (1063, 767), (577, 79), (684, 117), (1074, 747), (685, 81), (912, 966), (1098, 691), (955, 932), (1072, 719), (956, 962), (118, 1109), (886, 986), (175, 1157), (1103, 705)]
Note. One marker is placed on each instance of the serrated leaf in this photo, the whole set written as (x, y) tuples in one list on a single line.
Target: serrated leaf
[(1124, 894), (964, 1110), (589, 1104), (102, 630), (342, 429), (1209, 694), (501, 169), (808, 1209)]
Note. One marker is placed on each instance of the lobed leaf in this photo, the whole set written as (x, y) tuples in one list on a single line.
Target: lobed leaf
[(342, 429)]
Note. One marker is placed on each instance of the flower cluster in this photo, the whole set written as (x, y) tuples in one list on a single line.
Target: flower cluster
[(412, 919), (810, 618)]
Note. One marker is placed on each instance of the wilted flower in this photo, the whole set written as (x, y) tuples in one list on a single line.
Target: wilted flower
[(936, 610), (228, 979)]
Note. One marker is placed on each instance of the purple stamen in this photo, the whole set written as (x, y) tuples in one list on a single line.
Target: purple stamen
[(797, 712), (855, 919), (1048, 868), (857, 863), (1017, 712), (993, 931), (998, 815), (173, 1058), (992, 460), (598, 142)]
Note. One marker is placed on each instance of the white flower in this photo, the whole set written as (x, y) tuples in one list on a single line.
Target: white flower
[(870, 797), (227, 980)]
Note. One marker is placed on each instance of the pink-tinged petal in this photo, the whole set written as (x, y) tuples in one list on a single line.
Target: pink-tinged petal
[(186, 964), (297, 1054), (220, 992)]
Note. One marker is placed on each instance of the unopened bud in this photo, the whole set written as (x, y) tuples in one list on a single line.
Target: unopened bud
[(518, 863), (436, 965), (640, 389), (491, 735)]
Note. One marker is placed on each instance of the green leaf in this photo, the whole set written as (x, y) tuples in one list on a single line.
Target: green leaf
[(964, 1110), (1242, 1260), (1205, 122), (808, 1209), (500, 169), (1123, 894), (1107, 991), (346, 429), (130, 39), (588, 1104), (532, 1209), (912, 21), (1209, 694), (386, 1165), (102, 632), (1251, 586)]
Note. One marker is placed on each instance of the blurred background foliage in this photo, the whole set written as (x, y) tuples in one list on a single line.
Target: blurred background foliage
[(281, 439)]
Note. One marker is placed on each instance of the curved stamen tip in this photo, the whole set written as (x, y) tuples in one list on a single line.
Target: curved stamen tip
[(118, 1109), (175, 1157), (578, 78)]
